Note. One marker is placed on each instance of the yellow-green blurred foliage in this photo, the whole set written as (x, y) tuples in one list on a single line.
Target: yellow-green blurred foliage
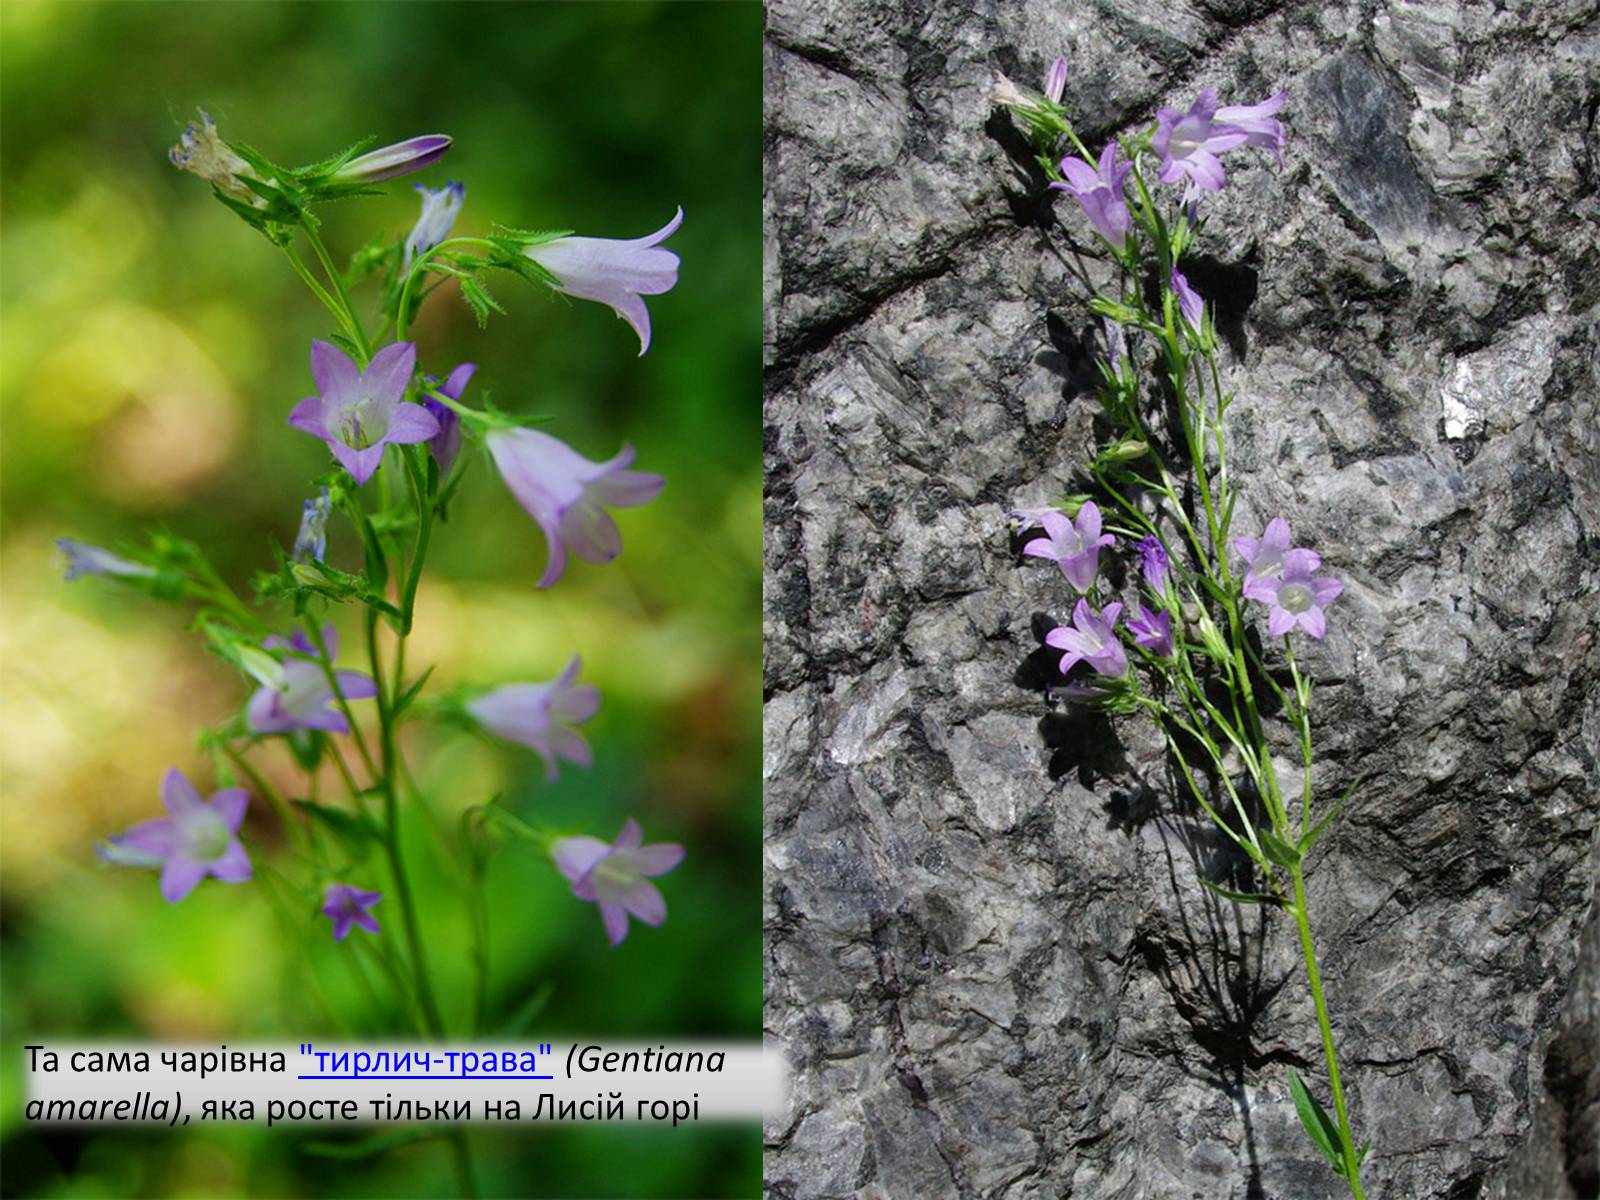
[(152, 348)]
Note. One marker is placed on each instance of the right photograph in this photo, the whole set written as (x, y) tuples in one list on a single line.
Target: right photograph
[(1182, 600)]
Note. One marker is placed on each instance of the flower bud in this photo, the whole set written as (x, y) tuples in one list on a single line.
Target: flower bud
[(402, 158)]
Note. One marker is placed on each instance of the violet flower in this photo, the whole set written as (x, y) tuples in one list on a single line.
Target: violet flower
[(447, 442), (311, 542), (541, 716), (1100, 194), (1269, 557), (1153, 562), (1260, 126), (1299, 598), (401, 158), (1189, 302), (197, 838), (359, 412), (1188, 145), (347, 906), (1153, 631), (564, 491), (84, 559), (615, 877), (1073, 548), (440, 206), (1024, 519), (614, 271), (1090, 638), (1055, 81), (306, 700)]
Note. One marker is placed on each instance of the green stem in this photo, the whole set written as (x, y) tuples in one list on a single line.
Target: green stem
[(352, 322), (1314, 977), (424, 528), (391, 839), (416, 271)]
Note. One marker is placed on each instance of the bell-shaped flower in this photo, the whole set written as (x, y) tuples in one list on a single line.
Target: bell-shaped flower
[(1100, 193), (542, 716), (1153, 631), (359, 412), (1259, 122), (305, 699), (1299, 597), (1269, 557), (197, 838), (446, 444), (614, 271), (84, 559), (1188, 145), (1055, 81), (1189, 302), (1090, 638), (616, 877), (1074, 547), (346, 906), (401, 158), (440, 207), (564, 492), (1153, 562)]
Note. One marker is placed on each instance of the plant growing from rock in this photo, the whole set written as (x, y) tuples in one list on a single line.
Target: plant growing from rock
[(1187, 653)]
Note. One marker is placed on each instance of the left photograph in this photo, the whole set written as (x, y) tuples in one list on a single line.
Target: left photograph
[(382, 568)]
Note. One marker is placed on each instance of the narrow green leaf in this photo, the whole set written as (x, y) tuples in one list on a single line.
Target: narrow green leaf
[(1321, 826), (1278, 851), (406, 697), (1241, 897), (349, 826), (1318, 1124), (531, 1008)]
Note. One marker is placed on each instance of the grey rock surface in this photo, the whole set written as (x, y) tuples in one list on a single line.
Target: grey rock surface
[(990, 961)]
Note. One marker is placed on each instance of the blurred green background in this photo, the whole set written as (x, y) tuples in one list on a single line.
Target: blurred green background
[(153, 346)]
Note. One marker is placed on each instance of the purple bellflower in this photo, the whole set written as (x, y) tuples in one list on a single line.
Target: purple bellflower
[(616, 877), (306, 700), (1153, 562), (1299, 598), (1153, 631), (359, 412), (564, 491), (614, 271), (347, 906), (84, 559), (440, 206), (1189, 302), (1055, 81), (1024, 519), (197, 838), (1259, 122), (1075, 548), (1100, 194), (447, 442), (541, 716), (1188, 145), (311, 542), (1269, 558), (1090, 638), (389, 162)]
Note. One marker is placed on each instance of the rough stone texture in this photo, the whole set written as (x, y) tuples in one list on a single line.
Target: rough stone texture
[(990, 961)]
